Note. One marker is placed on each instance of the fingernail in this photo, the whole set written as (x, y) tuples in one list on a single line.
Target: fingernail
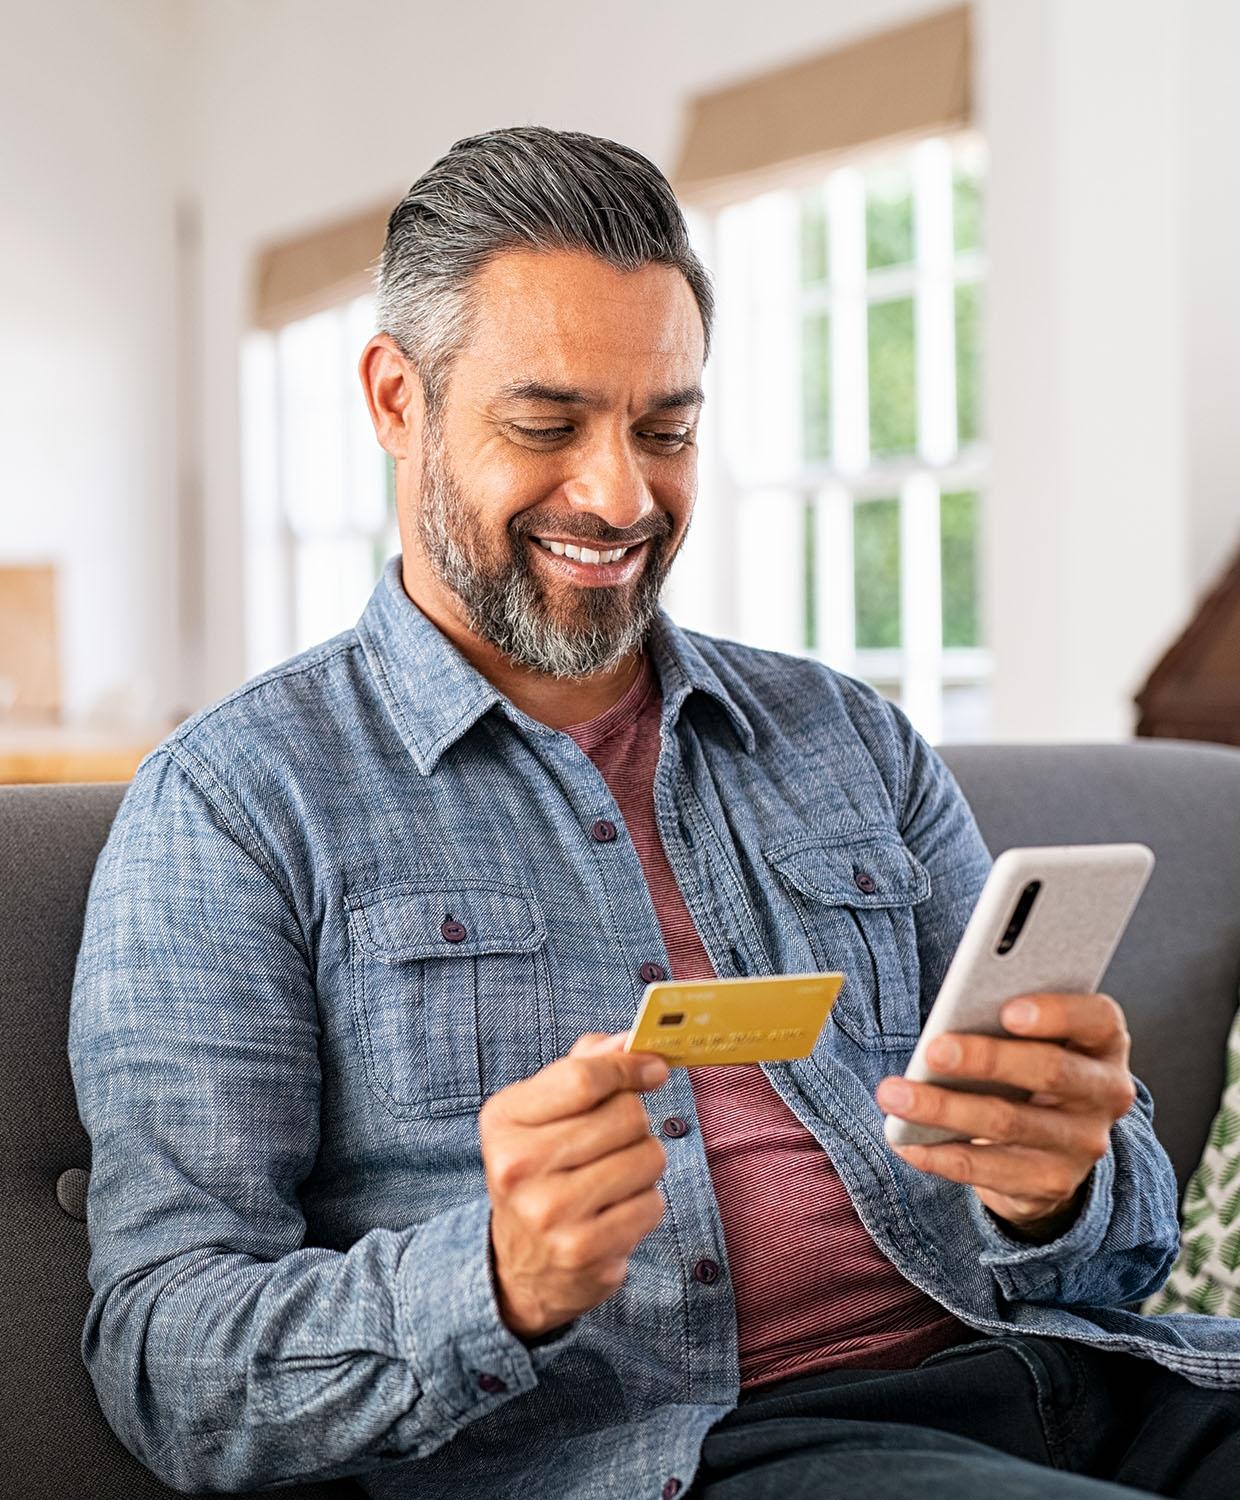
[(897, 1095), (1020, 1013), (945, 1052)]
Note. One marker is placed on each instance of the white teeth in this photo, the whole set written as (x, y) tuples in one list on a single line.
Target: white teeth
[(589, 555)]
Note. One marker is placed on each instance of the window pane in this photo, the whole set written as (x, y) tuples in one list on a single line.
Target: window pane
[(888, 217), (958, 531), (813, 238), (893, 389), (816, 384), (968, 361), (876, 573), (967, 206), (809, 552)]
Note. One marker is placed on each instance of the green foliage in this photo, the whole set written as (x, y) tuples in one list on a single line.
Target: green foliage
[(1233, 1065), (1226, 1128), (816, 385), (813, 238), (893, 377), (1228, 1211), (967, 209), (1228, 1174), (958, 529), (1229, 1251), (1197, 1252), (876, 573), (888, 217), (1168, 1301), (1201, 1180), (1206, 1298), (809, 517), (968, 361), (1233, 1305), (1197, 1214)]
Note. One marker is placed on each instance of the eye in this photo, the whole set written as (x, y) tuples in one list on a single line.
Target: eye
[(542, 434), (670, 442)]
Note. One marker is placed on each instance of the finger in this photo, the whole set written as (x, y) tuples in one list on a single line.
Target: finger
[(1006, 1121), (1093, 1024), (1040, 1067), (1011, 1170), (618, 1122), (616, 1231), (613, 1178), (591, 1043), (554, 1208), (572, 1085)]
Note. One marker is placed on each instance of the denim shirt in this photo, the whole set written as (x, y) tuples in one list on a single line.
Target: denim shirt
[(280, 1040)]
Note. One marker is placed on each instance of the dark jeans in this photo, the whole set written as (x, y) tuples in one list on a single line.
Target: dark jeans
[(995, 1419)]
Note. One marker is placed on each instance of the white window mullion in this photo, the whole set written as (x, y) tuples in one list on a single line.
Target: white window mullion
[(770, 539), (921, 604)]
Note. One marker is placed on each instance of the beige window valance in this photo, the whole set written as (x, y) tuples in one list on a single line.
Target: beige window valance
[(316, 270), (912, 80)]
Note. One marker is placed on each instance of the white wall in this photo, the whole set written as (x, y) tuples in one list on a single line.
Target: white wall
[(91, 145), (1089, 521)]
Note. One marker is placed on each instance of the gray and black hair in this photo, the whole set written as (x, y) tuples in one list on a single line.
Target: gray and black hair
[(529, 188)]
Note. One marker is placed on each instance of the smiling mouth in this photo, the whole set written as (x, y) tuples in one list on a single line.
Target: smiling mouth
[(592, 556)]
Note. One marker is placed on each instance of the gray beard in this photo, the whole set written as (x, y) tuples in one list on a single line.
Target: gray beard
[(504, 602)]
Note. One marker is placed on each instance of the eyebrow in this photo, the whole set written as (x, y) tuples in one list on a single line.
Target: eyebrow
[(556, 395)]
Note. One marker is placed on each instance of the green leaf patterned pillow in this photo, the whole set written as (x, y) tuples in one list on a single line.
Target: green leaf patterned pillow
[(1206, 1277)]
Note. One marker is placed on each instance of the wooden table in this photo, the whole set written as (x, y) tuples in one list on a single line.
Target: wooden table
[(48, 752)]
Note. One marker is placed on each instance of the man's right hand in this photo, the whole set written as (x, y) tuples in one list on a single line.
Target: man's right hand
[(571, 1168)]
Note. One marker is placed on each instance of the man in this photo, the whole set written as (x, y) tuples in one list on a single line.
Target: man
[(374, 1191)]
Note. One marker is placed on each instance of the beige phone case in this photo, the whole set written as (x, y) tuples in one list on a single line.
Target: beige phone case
[(1087, 894)]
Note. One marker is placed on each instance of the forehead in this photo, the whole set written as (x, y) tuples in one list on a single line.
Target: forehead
[(571, 315)]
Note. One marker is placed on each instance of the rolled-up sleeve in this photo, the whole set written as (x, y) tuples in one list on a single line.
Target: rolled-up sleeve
[(227, 1353)]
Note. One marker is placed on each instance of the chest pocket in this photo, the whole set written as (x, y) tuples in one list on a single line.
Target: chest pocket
[(855, 898), (450, 993)]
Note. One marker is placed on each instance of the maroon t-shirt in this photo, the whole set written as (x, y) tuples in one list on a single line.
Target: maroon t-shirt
[(812, 1290)]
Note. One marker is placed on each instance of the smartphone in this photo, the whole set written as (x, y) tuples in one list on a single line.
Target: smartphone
[(1047, 920), (764, 1018)]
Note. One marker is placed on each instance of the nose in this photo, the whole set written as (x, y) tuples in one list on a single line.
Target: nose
[(609, 482)]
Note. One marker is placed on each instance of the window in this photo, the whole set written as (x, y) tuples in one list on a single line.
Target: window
[(320, 503), (848, 423)]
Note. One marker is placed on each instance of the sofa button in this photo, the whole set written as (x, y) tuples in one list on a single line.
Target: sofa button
[(71, 1188)]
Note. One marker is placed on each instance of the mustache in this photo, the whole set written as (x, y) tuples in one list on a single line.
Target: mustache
[(588, 528)]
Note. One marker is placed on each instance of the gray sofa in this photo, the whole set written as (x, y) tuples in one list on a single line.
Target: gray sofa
[(1178, 973)]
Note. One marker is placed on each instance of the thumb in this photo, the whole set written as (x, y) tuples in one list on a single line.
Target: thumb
[(593, 1043)]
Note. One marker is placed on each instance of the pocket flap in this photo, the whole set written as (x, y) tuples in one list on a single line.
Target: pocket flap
[(400, 923), (857, 869)]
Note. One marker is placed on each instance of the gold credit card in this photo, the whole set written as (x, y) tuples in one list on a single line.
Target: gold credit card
[(772, 1018)]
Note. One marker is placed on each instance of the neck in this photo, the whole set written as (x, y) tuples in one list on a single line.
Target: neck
[(555, 701)]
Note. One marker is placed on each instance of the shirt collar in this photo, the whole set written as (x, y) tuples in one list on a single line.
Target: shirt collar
[(435, 696)]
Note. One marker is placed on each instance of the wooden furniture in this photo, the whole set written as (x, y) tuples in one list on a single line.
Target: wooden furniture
[(35, 752), (1194, 691)]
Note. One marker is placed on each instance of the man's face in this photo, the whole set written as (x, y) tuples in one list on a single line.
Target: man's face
[(567, 424)]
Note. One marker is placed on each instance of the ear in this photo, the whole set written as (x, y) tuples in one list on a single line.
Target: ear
[(394, 397)]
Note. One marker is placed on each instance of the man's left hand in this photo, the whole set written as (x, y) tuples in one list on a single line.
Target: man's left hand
[(1027, 1162)]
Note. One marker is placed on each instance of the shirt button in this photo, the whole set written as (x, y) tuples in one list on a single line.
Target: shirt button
[(671, 1488), (707, 1272), (603, 831), (675, 1127), (865, 883), (652, 973), (492, 1384), (453, 932)]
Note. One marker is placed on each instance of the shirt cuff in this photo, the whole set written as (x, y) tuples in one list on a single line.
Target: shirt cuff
[(1029, 1272), (464, 1357)]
